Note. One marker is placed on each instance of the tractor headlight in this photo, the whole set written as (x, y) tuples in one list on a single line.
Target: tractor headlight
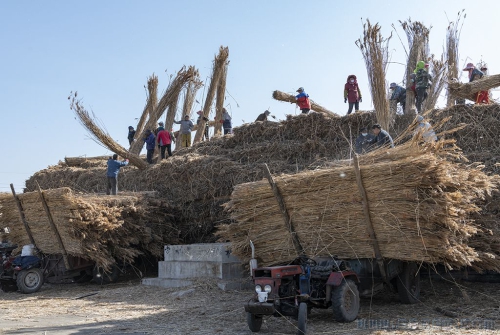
[(267, 288), (258, 288)]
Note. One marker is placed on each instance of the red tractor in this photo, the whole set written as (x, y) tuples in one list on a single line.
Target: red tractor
[(294, 289)]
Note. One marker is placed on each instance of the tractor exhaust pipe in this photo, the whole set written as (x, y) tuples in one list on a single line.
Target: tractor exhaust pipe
[(253, 261)]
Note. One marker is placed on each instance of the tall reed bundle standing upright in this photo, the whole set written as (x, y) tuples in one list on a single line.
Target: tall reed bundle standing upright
[(452, 40), (218, 68), (172, 108), (151, 102), (190, 93), (375, 52), (219, 101), (418, 43), (439, 78), (99, 135)]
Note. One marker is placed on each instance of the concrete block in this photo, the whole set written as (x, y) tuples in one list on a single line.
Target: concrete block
[(180, 270), (166, 283), (211, 252)]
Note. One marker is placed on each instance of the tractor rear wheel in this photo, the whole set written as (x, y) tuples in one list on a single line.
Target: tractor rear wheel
[(302, 319), (408, 283), (345, 301), (254, 322), (30, 281)]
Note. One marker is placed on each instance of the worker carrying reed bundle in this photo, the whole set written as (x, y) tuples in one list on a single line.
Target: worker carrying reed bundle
[(363, 142), (185, 131), (423, 81), (201, 117), (398, 94), (131, 134), (352, 93), (381, 138), (226, 122), (481, 97), (303, 100), (112, 174)]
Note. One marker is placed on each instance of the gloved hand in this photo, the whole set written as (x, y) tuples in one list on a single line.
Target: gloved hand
[(360, 99), (345, 100)]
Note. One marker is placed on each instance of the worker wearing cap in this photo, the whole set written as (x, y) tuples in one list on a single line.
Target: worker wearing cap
[(112, 174), (425, 129), (200, 117), (422, 82), (185, 131), (263, 116), (352, 93), (382, 137), (482, 97), (363, 141), (398, 94), (131, 134), (302, 100)]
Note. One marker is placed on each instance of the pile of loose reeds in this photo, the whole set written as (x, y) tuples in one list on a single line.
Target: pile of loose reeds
[(419, 204), (104, 229), (281, 96), (375, 51)]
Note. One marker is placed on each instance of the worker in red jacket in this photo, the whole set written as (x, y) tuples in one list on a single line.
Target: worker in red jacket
[(302, 100), (352, 93), (164, 140)]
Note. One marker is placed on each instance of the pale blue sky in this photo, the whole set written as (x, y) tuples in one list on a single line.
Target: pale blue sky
[(105, 50)]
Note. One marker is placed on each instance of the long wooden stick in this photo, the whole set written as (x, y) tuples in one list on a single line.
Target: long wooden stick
[(21, 213), (54, 228), (369, 224), (284, 211)]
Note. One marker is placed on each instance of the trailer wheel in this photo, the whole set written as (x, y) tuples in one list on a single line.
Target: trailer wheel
[(103, 277), (30, 281), (409, 284), (345, 301), (254, 322), (302, 319)]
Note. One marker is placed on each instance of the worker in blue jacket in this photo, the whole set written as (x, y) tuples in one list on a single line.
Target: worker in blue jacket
[(150, 145), (112, 173)]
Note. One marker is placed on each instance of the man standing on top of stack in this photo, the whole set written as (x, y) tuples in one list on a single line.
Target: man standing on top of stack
[(131, 134), (422, 82), (482, 97), (150, 145), (263, 116), (302, 100), (226, 122), (398, 94), (185, 131), (112, 173), (164, 140), (200, 116), (352, 93)]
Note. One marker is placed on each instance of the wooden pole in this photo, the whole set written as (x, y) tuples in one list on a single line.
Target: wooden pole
[(54, 228), (284, 211), (21, 213), (369, 224)]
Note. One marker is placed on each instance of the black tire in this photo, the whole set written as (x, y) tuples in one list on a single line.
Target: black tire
[(30, 281), (409, 284), (254, 322), (103, 277), (345, 301), (302, 319)]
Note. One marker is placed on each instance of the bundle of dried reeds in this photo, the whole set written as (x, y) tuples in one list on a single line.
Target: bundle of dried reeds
[(281, 96), (220, 98), (99, 135), (418, 43), (452, 58), (218, 69), (419, 204), (190, 93), (438, 68), (375, 51), (468, 90), (79, 161), (151, 102)]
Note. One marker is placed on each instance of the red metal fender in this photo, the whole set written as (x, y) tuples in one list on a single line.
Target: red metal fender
[(336, 278)]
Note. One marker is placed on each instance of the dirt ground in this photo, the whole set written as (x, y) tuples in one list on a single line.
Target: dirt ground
[(128, 307)]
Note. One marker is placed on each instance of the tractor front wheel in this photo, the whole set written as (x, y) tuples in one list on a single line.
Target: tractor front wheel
[(345, 301), (254, 322), (30, 281)]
